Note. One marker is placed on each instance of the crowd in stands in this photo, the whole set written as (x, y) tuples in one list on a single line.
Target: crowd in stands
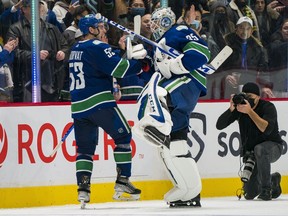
[(256, 30)]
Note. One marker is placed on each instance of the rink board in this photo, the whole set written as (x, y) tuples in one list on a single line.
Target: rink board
[(29, 177)]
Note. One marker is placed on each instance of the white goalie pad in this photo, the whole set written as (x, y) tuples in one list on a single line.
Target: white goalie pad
[(182, 171), (152, 111)]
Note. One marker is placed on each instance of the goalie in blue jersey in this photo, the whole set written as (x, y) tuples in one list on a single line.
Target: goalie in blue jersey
[(93, 64), (166, 104)]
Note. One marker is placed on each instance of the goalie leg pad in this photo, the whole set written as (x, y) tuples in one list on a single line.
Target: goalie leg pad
[(154, 117), (182, 170)]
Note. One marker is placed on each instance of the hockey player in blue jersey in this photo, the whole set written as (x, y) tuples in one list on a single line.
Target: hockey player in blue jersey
[(166, 104), (93, 65)]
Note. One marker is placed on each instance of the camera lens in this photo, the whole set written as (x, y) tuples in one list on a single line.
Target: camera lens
[(239, 98)]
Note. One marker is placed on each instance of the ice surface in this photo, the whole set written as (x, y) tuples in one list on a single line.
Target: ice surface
[(210, 207)]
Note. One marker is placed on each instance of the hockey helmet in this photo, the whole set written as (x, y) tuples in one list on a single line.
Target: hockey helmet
[(88, 21), (162, 19)]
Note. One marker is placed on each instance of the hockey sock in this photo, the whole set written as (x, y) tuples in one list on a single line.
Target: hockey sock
[(123, 157), (84, 167)]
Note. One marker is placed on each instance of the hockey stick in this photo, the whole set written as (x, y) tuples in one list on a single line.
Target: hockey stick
[(207, 68), (172, 52), (62, 140), (137, 24)]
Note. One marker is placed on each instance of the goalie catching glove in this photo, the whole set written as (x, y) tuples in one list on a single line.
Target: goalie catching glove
[(135, 52), (167, 65)]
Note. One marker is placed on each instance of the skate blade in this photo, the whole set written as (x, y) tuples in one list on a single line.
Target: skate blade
[(82, 204), (184, 205), (122, 196)]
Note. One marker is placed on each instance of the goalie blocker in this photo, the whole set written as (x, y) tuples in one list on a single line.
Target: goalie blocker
[(154, 127)]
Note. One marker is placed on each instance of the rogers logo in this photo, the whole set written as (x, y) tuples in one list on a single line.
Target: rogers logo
[(3, 145)]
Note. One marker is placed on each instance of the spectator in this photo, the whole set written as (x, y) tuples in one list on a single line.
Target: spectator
[(53, 48), (145, 29), (249, 60), (278, 54), (135, 7), (239, 8), (155, 5), (268, 20), (191, 17), (104, 7), (220, 26), (6, 82), (48, 15), (60, 9), (9, 16)]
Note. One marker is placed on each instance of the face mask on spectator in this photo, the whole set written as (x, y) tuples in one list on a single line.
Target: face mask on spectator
[(195, 24), (241, 3), (137, 11), (220, 16)]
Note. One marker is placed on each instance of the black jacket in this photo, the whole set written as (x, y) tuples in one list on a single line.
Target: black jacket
[(51, 73), (250, 134)]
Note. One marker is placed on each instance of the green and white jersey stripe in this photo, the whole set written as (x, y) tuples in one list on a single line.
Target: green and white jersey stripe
[(197, 47), (121, 68), (91, 102)]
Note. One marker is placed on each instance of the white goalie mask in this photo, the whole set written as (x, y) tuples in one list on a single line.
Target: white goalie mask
[(162, 20)]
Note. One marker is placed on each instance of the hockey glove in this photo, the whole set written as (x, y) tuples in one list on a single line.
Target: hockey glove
[(135, 52), (167, 65)]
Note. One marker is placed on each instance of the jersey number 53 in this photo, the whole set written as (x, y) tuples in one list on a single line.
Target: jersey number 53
[(77, 82)]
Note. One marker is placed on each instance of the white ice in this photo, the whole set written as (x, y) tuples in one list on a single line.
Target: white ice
[(210, 207)]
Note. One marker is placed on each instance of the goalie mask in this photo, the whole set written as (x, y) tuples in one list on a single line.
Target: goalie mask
[(162, 20)]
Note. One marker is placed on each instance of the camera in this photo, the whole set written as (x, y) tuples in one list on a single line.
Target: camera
[(248, 168), (239, 98)]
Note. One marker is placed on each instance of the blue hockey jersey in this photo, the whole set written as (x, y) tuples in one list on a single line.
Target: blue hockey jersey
[(92, 64), (196, 54)]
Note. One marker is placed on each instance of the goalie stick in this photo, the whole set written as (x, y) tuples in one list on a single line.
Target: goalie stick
[(62, 140), (137, 24), (207, 68)]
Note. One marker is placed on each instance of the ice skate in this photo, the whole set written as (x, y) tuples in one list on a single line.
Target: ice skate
[(195, 202), (125, 190), (83, 194)]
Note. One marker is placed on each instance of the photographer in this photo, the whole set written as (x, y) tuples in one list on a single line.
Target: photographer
[(261, 142)]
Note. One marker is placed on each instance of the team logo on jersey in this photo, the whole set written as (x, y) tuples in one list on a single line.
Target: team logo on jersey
[(181, 27), (3, 145), (166, 22)]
